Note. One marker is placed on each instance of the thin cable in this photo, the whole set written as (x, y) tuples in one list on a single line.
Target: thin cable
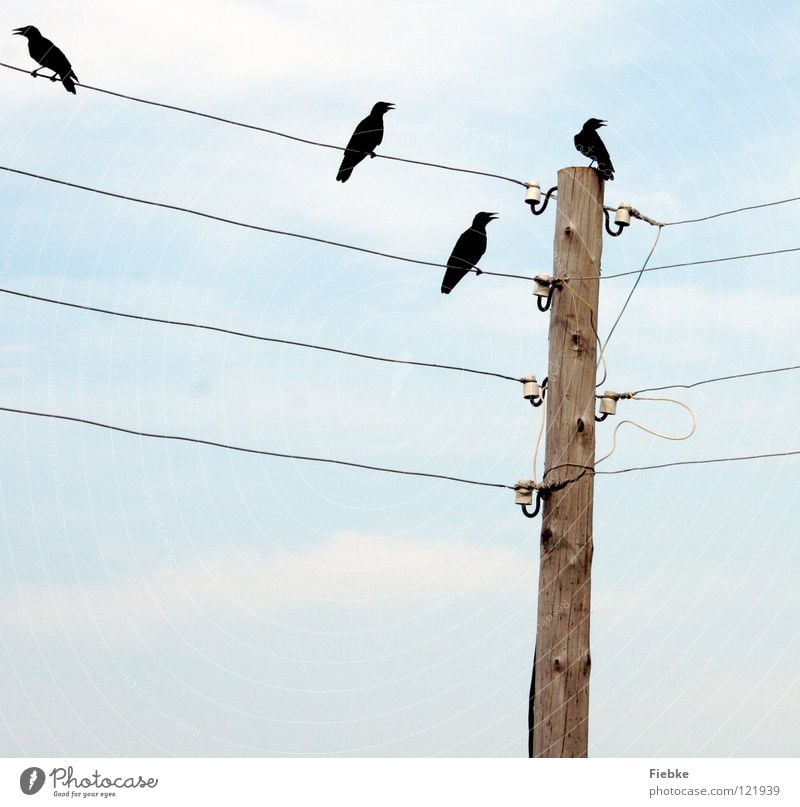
[(701, 462), (275, 132), (649, 430), (258, 451), (719, 378), (257, 227), (697, 263), (245, 335), (731, 212), (631, 292), (679, 463), (542, 423)]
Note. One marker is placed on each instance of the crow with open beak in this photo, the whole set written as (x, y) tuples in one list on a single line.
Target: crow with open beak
[(588, 143), (49, 57), (366, 138), (467, 252)]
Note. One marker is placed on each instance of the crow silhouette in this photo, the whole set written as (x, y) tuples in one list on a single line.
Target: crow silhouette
[(588, 143), (467, 252), (49, 56), (366, 138)]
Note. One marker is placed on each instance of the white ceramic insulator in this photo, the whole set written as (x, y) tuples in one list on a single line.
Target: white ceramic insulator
[(533, 195), (524, 493), (541, 285), (623, 216), (608, 403), (530, 387)]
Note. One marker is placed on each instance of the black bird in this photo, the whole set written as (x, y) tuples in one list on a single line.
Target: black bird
[(467, 252), (366, 138), (588, 143), (49, 56)]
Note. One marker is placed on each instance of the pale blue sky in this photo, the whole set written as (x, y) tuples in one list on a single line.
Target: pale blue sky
[(168, 599)]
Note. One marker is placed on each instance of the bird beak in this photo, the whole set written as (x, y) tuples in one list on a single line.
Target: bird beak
[(389, 106), (493, 216), (18, 31), (603, 123)]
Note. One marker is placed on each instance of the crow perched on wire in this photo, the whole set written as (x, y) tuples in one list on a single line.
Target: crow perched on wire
[(366, 138), (467, 252), (49, 56), (588, 143)]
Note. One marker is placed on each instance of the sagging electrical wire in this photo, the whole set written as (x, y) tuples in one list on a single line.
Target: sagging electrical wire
[(257, 337), (275, 132), (693, 263), (675, 464), (257, 451), (731, 212), (720, 378), (222, 219)]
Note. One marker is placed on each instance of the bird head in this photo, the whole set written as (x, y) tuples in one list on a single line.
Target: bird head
[(382, 107), (594, 124), (482, 219), (27, 31)]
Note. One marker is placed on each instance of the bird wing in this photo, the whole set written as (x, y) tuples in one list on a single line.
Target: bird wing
[(365, 139), (590, 145), (367, 135), (54, 59), (466, 253)]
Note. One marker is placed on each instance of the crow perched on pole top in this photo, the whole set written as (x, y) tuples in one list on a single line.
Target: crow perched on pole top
[(467, 252), (366, 138), (588, 143), (49, 56)]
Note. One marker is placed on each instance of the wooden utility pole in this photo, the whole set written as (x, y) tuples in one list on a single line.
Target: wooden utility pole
[(563, 661)]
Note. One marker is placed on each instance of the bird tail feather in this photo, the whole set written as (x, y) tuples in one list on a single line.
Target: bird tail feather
[(344, 174), (69, 82)]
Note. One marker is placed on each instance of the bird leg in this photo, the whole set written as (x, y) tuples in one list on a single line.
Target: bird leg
[(35, 73), (372, 155)]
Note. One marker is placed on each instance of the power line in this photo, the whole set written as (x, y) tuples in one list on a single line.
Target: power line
[(631, 292), (382, 469), (260, 452), (585, 470), (257, 227), (701, 462), (731, 212), (693, 263), (245, 335), (720, 378), (698, 263), (277, 133)]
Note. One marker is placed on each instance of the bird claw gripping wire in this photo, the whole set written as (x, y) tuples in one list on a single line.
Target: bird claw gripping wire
[(533, 198)]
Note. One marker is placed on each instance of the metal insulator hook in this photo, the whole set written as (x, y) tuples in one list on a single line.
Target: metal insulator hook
[(533, 199), (543, 303), (612, 233), (527, 513), (539, 399)]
